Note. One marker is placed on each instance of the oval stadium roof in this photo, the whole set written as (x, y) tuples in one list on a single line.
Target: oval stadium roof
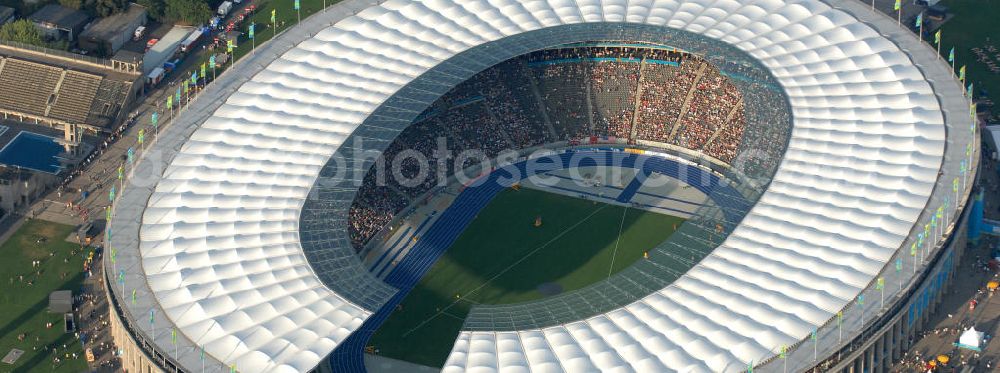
[(218, 247)]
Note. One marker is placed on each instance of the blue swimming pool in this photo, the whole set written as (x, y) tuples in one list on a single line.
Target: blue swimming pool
[(32, 151)]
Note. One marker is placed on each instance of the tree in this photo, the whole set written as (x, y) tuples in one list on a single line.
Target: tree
[(104, 8), (24, 31), (192, 12), (72, 4), (153, 7)]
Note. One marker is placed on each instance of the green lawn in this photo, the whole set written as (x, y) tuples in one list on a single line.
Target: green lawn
[(974, 22), (503, 258), (25, 307)]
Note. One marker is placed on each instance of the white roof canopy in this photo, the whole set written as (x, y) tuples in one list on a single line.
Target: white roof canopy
[(220, 249)]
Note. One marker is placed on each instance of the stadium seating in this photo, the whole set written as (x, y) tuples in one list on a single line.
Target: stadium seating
[(76, 93), (60, 94), (621, 91), (27, 87), (108, 101)]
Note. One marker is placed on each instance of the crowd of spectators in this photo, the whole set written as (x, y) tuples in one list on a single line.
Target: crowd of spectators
[(711, 101), (373, 208), (663, 92), (572, 92), (614, 86)]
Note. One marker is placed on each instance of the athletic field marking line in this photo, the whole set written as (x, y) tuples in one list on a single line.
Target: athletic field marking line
[(618, 240), (505, 270)]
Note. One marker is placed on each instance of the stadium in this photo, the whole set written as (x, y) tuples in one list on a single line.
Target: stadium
[(551, 185)]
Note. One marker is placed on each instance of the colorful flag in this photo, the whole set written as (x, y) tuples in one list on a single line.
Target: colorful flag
[(121, 175), (273, 14), (840, 317), (920, 20), (194, 78), (202, 353), (203, 66), (211, 61), (750, 366), (861, 299), (133, 296), (151, 317), (251, 29), (297, 5), (899, 264), (937, 37), (173, 336), (951, 55), (229, 46), (170, 102), (121, 276), (961, 73), (954, 185), (898, 5), (784, 351), (880, 284), (130, 154), (940, 212), (155, 117), (114, 255), (177, 96), (142, 135), (972, 112), (913, 249), (813, 336), (111, 194), (968, 92)]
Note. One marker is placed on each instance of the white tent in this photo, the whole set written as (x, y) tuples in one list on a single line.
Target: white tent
[(970, 339)]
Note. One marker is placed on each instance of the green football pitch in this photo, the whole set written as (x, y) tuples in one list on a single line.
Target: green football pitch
[(502, 257)]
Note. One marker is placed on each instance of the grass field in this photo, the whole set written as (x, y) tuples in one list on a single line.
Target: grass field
[(975, 21), (503, 258), (25, 307)]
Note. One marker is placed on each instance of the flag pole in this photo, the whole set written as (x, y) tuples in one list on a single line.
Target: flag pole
[(921, 33), (939, 45), (861, 305)]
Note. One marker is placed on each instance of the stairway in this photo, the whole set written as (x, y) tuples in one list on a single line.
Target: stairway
[(725, 124), (48, 106), (638, 99), (538, 99), (687, 101)]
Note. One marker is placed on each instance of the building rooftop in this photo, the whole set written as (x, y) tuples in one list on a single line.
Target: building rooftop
[(59, 16), (6, 12), (110, 26)]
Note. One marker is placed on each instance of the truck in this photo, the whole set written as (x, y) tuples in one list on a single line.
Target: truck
[(155, 76), (225, 7), (191, 39)]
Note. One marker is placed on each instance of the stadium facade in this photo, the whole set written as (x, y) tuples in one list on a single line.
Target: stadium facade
[(221, 262)]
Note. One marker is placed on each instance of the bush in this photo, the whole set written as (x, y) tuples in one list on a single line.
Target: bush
[(23, 31)]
